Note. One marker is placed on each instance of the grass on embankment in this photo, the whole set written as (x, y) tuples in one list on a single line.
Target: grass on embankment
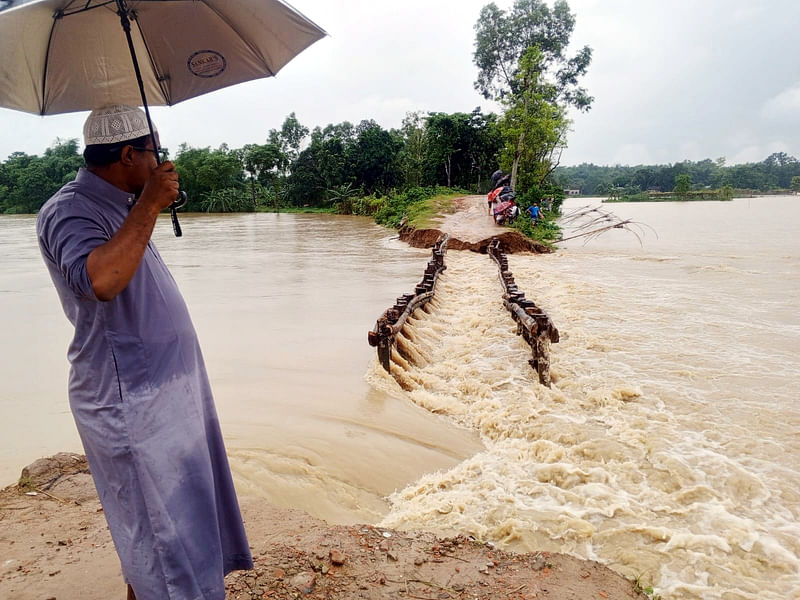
[(419, 206), (423, 208), (546, 230)]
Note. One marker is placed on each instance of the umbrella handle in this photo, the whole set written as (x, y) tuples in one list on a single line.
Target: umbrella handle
[(122, 11), (173, 208), (176, 226), (180, 201)]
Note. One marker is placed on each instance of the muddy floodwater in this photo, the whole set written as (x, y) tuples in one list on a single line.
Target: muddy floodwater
[(668, 446)]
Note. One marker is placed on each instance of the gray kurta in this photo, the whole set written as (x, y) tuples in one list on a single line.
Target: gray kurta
[(140, 396)]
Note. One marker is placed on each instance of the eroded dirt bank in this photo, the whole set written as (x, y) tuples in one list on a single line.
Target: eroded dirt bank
[(511, 242), (55, 545), (470, 227)]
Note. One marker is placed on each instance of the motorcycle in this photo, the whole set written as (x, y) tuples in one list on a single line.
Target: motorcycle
[(506, 211)]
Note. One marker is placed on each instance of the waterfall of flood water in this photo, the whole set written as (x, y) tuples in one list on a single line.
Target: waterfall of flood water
[(668, 444)]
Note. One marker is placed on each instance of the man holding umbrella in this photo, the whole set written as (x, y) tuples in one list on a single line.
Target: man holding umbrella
[(138, 387)]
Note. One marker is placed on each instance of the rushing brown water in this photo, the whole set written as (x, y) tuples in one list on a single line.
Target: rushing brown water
[(282, 305), (668, 446)]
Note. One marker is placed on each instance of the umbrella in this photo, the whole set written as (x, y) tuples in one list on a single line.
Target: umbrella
[(63, 56)]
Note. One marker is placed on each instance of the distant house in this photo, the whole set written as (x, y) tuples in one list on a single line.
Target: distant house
[(570, 192)]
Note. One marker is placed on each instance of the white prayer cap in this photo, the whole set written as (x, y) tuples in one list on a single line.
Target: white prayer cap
[(112, 124)]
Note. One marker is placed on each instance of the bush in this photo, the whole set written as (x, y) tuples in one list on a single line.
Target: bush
[(397, 206), (365, 206), (542, 195), (227, 200), (545, 230)]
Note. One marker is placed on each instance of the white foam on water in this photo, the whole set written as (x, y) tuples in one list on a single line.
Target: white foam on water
[(661, 449)]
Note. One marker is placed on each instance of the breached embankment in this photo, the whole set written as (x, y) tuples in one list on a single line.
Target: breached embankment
[(511, 242)]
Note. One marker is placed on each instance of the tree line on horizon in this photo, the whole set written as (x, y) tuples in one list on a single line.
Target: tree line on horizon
[(329, 167), (778, 172), (296, 167)]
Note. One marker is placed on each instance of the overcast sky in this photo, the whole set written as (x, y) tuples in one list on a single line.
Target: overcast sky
[(672, 80)]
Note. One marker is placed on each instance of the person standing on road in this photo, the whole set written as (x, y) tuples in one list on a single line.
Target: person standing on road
[(535, 212), (138, 388)]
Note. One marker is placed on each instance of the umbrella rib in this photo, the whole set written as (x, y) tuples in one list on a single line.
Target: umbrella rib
[(159, 77), (43, 103), (245, 41), (86, 8)]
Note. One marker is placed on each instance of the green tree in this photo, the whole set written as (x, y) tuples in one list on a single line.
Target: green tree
[(483, 144), (461, 148), (776, 170), (683, 184), (261, 162), (796, 184), (26, 182), (522, 62), (203, 171), (533, 127), (412, 156), (504, 37), (322, 166), (372, 158), (288, 140), (442, 134)]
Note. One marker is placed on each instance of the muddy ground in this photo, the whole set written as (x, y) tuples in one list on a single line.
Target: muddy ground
[(470, 227), (55, 545)]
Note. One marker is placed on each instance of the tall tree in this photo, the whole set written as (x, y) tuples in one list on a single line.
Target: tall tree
[(412, 156), (461, 148), (504, 37), (261, 161), (443, 140), (533, 126), (533, 83), (288, 139), (373, 158), (683, 184), (321, 166)]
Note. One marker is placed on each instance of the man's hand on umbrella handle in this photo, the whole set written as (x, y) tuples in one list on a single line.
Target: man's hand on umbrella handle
[(161, 187), (112, 265)]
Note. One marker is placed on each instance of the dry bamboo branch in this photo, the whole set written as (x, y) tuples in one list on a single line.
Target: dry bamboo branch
[(590, 222)]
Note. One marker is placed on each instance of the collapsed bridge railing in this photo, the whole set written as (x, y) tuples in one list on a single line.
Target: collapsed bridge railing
[(392, 320), (533, 324)]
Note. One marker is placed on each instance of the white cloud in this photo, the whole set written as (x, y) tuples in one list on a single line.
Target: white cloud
[(758, 152), (632, 154), (691, 150), (785, 105)]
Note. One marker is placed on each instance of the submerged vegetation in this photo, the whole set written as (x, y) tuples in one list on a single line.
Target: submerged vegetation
[(724, 194)]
